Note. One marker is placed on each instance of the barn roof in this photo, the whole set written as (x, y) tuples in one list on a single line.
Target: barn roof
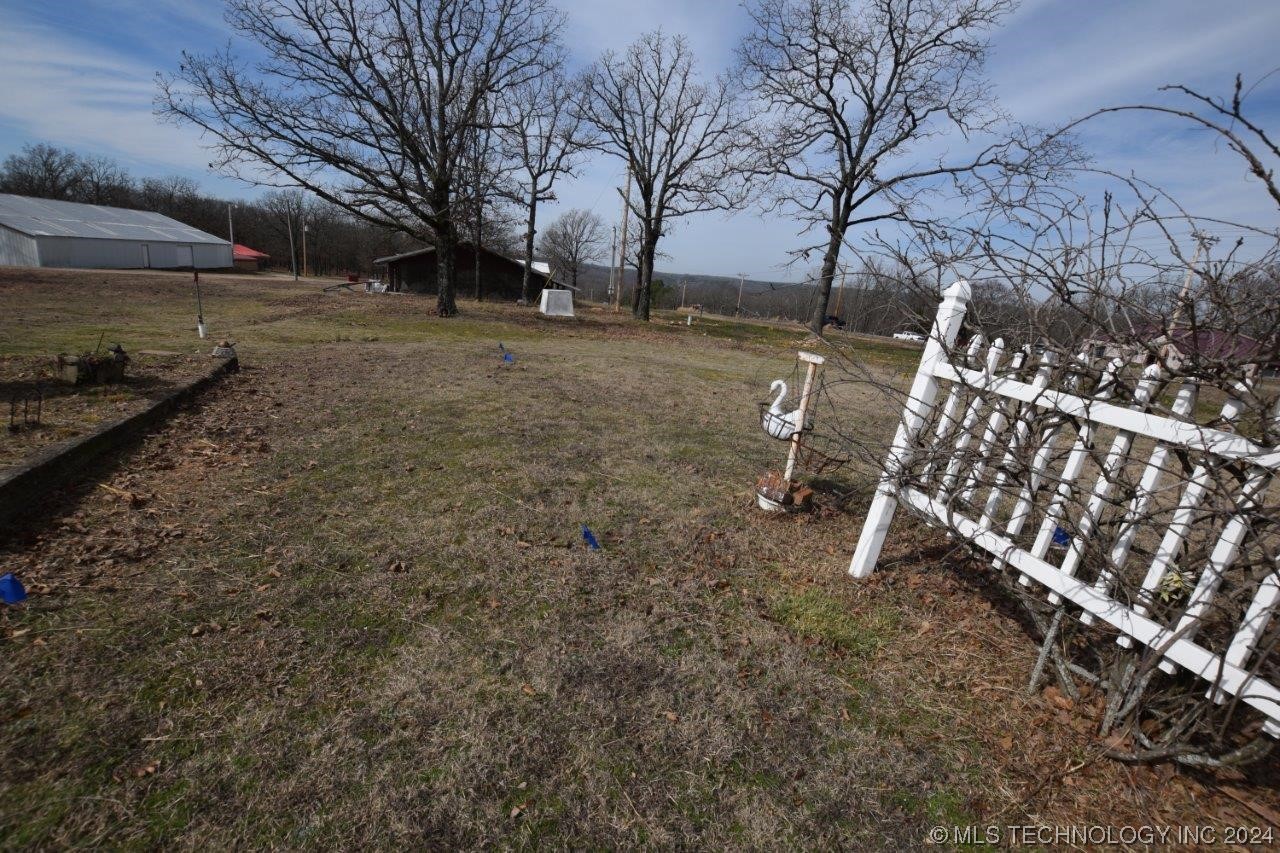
[(42, 217), (538, 266), (1214, 344), (243, 253)]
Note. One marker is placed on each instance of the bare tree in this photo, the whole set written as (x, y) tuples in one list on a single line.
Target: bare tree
[(546, 136), (106, 182), (170, 194), (43, 171), (575, 238), (366, 103), (848, 88), (285, 211), (679, 137)]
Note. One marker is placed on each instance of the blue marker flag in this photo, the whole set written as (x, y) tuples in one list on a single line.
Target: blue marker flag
[(12, 591), (589, 538), (1061, 537)]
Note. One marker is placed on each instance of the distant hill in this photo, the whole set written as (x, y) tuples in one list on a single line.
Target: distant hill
[(716, 293)]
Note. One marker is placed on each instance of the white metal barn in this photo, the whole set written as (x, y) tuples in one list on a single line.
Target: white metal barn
[(38, 232)]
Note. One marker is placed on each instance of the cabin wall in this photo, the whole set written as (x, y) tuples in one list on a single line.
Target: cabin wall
[(500, 278)]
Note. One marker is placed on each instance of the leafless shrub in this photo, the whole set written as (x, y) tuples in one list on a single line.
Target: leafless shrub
[(1137, 303)]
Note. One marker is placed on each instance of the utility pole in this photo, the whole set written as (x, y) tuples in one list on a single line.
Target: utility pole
[(200, 328), (844, 273), (622, 256), (684, 291), (742, 277), (613, 266), (293, 253), (304, 249), (231, 233)]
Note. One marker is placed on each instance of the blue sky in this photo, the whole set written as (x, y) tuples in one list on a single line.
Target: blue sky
[(80, 73)]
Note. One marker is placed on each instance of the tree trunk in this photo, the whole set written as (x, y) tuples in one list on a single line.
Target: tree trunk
[(648, 249), (829, 259), (635, 291), (476, 252), (528, 248), (446, 247)]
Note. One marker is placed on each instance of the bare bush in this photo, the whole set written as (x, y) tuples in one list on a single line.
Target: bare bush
[(1136, 303)]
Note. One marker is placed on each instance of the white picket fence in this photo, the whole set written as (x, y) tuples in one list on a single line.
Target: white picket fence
[(945, 488)]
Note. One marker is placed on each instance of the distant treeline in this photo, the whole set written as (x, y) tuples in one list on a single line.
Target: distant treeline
[(336, 242), (878, 298), (872, 301)]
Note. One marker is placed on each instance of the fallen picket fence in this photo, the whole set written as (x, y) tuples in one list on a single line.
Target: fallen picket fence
[(988, 404)]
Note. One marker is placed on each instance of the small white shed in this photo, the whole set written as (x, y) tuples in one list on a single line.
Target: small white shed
[(556, 303)]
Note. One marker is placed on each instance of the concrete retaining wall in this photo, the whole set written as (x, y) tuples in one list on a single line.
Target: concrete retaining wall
[(22, 486)]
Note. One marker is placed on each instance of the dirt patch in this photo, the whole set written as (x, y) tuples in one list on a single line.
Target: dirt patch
[(31, 384)]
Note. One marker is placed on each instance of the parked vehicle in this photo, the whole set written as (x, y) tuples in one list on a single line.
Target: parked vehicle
[(909, 336)]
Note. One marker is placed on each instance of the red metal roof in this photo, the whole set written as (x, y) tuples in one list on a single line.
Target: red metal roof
[(244, 253), (1213, 344)]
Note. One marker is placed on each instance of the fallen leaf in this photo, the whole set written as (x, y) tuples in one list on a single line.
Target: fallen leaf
[(1055, 697)]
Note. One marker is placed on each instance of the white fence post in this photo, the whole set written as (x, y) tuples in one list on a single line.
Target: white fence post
[(946, 327)]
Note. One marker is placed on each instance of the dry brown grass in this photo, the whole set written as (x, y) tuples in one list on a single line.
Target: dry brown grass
[(351, 608)]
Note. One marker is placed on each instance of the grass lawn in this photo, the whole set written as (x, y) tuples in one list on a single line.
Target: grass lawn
[(343, 601)]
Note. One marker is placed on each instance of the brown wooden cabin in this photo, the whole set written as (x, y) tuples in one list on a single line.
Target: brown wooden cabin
[(500, 276)]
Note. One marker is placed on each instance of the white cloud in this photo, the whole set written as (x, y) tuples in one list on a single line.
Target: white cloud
[(73, 78), (75, 93), (712, 27)]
